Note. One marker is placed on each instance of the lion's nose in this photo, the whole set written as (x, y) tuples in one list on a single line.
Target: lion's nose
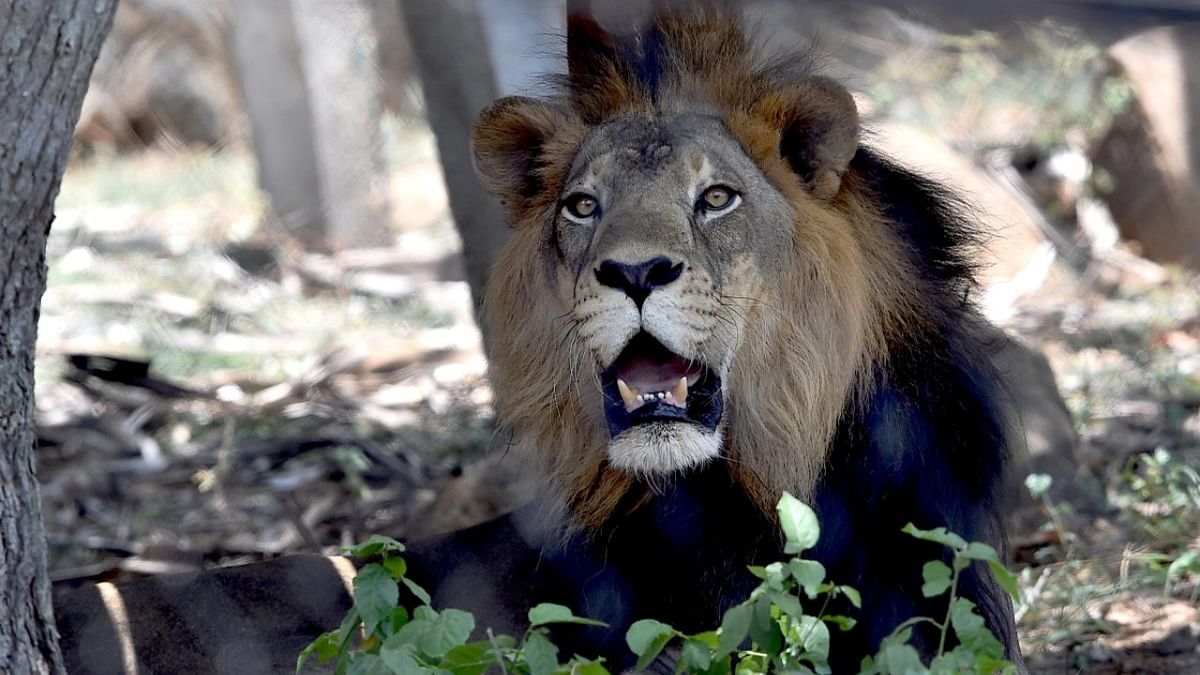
[(638, 279)]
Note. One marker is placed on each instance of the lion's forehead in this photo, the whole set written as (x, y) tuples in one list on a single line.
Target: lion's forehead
[(632, 152)]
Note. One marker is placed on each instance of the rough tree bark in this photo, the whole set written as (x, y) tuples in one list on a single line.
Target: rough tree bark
[(47, 50)]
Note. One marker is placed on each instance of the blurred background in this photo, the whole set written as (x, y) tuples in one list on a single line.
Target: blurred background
[(258, 335)]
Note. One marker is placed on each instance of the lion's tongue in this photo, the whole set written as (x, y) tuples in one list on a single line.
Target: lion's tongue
[(642, 379)]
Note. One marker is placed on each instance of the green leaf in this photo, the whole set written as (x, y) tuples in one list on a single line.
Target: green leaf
[(434, 634), (966, 622), (375, 595), (799, 523), (374, 545), (549, 613), (1038, 484), (647, 638), (580, 666), (1187, 562), (815, 639), (1006, 579), (976, 641), (697, 655), (809, 574), (397, 620), (844, 623), (540, 654), (852, 595), (415, 589), (349, 627), (372, 664), (938, 535), (326, 647), (401, 660), (752, 664), (956, 661), (901, 659), (937, 578), (972, 632), (734, 628), (395, 567), (709, 638), (470, 659), (411, 633), (776, 576), (764, 629), (980, 551), (452, 629), (787, 603)]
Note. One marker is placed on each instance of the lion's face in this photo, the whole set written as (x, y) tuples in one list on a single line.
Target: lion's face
[(687, 275), (666, 235)]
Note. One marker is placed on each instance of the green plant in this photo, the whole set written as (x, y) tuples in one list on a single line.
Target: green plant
[(1160, 497), (978, 650), (379, 636), (785, 638), (775, 630), (783, 635)]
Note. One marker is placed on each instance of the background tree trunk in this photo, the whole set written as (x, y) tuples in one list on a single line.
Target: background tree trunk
[(47, 50), (458, 79), (468, 54), (319, 151)]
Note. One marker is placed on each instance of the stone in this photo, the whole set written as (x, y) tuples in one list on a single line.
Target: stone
[(1151, 153)]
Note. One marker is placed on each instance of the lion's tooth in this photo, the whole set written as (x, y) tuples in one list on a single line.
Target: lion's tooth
[(680, 392), (628, 396)]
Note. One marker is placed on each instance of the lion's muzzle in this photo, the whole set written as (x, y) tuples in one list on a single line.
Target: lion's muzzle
[(650, 383)]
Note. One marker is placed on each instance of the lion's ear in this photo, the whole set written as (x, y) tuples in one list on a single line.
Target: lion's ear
[(818, 131), (507, 144)]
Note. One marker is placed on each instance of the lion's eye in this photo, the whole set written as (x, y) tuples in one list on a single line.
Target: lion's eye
[(718, 198), (581, 206)]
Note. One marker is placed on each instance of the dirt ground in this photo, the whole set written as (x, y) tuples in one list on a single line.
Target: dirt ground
[(203, 399)]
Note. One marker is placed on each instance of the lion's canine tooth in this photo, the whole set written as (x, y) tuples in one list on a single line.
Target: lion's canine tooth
[(630, 398), (680, 392)]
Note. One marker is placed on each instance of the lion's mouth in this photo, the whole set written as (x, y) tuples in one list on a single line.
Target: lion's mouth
[(649, 383)]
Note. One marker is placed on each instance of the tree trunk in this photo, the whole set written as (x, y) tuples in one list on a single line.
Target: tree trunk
[(47, 50), (458, 80)]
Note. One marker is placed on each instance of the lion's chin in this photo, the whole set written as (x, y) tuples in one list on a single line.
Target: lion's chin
[(663, 448)]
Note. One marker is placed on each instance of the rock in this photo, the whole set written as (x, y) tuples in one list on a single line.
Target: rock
[(1017, 255), (1041, 431), (1150, 152)]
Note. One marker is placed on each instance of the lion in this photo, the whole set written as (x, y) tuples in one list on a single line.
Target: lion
[(715, 292)]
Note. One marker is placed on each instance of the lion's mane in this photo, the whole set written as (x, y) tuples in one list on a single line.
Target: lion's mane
[(810, 350)]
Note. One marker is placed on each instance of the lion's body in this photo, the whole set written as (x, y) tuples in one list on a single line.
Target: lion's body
[(713, 293), (829, 305), (923, 444)]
